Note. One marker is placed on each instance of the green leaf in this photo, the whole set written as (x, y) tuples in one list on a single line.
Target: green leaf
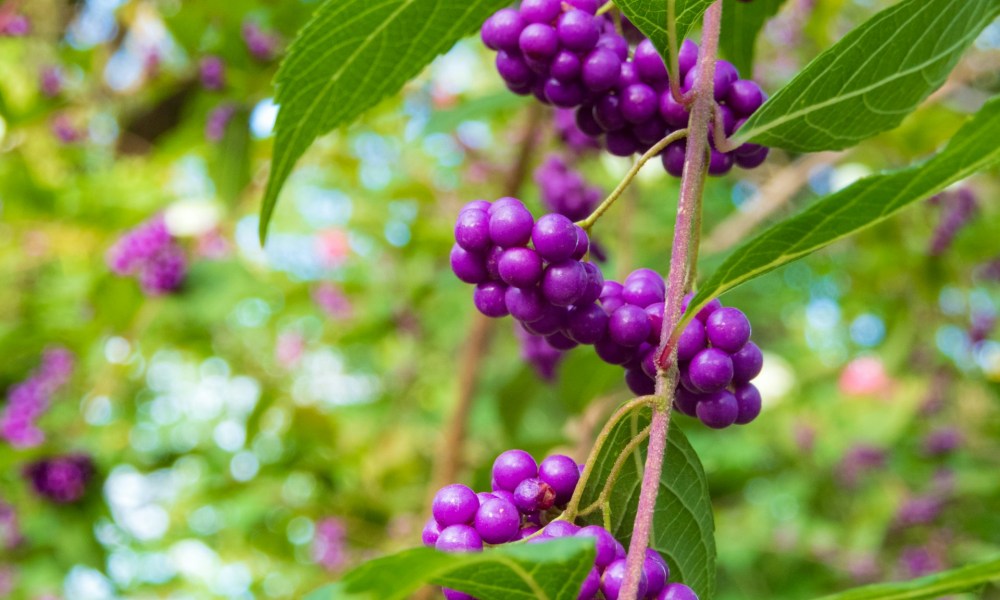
[(350, 56), (552, 570), (683, 526), (860, 205), (741, 22), (650, 16), (937, 585), (872, 78)]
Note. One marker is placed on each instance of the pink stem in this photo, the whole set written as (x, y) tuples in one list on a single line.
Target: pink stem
[(689, 205)]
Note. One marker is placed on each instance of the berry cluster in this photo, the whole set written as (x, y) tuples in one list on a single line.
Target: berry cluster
[(567, 56), (212, 72), (329, 548), (525, 497), (29, 399), (61, 479), (152, 255), (553, 294), (261, 44)]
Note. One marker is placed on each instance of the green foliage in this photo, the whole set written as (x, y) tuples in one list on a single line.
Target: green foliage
[(860, 205), (741, 22), (350, 56), (683, 529), (872, 78), (553, 570), (651, 17), (963, 579)]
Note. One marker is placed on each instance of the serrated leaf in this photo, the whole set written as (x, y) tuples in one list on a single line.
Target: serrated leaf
[(351, 55), (741, 22), (552, 570), (872, 78), (683, 525), (937, 585), (860, 205), (650, 16)]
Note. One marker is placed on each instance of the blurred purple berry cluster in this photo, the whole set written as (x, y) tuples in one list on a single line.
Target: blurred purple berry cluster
[(14, 25), (566, 55), (564, 190), (212, 72), (217, 121), (556, 295), (61, 479), (28, 400), (261, 44), (957, 209), (329, 548), (150, 254), (524, 503)]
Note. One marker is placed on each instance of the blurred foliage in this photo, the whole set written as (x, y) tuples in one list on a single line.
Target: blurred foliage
[(313, 378)]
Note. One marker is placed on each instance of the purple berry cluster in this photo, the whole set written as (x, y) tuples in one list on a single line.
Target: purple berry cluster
[(959, 208), (261, 44), (152, 255), (564, 190), (570, 133), (525, 499), (555, 295), (14, 25), (61, 479), (568, 57), (329, 547), (212, 72), (542, 357), (28, 400)]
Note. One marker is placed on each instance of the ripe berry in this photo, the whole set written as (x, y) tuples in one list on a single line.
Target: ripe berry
[(587, 324), (648, 62), (601, 69), (555, 237), (430, 533), (563, 283), (511, 468), (502, 30), (691, 341), (540, 11), (629, 326), (489, 299), (468, 267), (710, 370), (558, 529), (562, 474), (748, 403), (533, 494), (510, 225), (454, 504), (718, 410), (614, 577), (656, 571), (604, 544), (520, 267), (639, 102), (497, 521), (728, 329), (578, 30), (539, 41), (524, 304), (459, 538), (677, 591), (747, 363), (744, 97)]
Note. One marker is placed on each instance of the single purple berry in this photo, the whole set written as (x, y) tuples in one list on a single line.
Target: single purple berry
[(578, 30), (582, 245), (560, 341), (533, 494), (591, 585), (748, 403), (562, 475), (564, 94), (629, 326), (558, 529), (639, 102), (604, 544), (588, 6), (601, 69), (648, 62), (673, 112), (468, 267), (585, 121), (711, 370), (510, 226), (744, 97), (673, 158), (511, 468), (459, 538), (614, 42), (621, 143), (489, 299), (587, 324), (687, 56), (642, 292), (502, 30), (430, 533), (566, 67), (513, 69), (686, 401), (524, 304), (719, 163), (718, 410), (454, 504), (692, 341), (555, 237), (751, 158), (540, 11), (528, 531), (608, 114), (655, 569), (497, 521), (564, 283), (553, 320), (640, 383), (627, 76), (472, 230), (747, 363), (728, 329), (475, 205), (677, 591), (613, 353), (655, 314), (520, 267), (539, 41)]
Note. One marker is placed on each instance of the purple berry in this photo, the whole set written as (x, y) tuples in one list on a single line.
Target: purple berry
[(524, 304), (621, 143), (497, 521), (429, 535), (677, 591), (555, 237), (747, 402), (553, 319), (744, 97), (502, 30), (616, 43), (468, 267), (578, 30), (673, 112), (562, 475), (558, 529), (489, 299), (718, 410), (719, 163), (528, 531), (691, 341), (639, 102), (459, 538), (725, 76), (686, 401), (640, 383), (608, 114), (566, 67), (728, 329), (629, 326), (560, 341), (655, 314), (510, 225), (450, 594), (613, 353), (614, 577), (648, 62), (511, 468), (540, 11), (591, 585), (520, 267), (585, 121), (751, 159), (604, 544), (513, 69), (472, 230), (627, 76), (673, 158), (582, 245), (655, 569), (587, 324), (687, 56), (711, 370), (747, 363), (533, 494), (564, 94), (643, 291), (588, 6), (493, 262), (454, 504), (601, 69), (565, 282), (539, 41)]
